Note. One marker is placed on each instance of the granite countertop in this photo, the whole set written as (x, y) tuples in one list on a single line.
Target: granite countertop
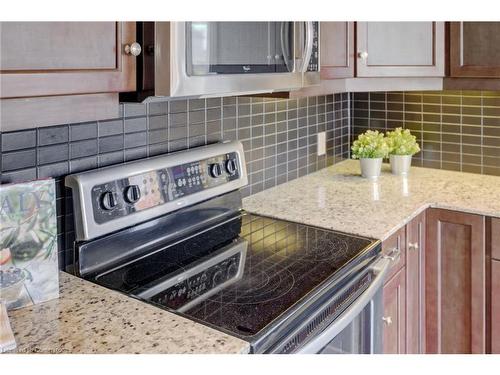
[(88, 318), (338, 198)]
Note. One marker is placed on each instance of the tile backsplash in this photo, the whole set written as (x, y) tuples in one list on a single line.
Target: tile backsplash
[(457, 130), (279, 138)]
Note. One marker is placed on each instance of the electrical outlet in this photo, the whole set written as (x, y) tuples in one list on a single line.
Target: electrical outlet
[(321, 143)]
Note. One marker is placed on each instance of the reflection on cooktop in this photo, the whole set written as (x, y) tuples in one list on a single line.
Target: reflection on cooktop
[(267, 282)]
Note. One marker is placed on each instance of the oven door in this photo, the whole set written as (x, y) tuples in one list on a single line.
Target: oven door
[(361, 336), (358, 330), (228, 58), (347, 321)]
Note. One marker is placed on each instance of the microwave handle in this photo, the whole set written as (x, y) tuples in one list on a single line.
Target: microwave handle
[(308, 50), (284, 36), (381, 268)]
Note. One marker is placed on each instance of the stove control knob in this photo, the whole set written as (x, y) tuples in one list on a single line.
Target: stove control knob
[(215, 170), (231, 167), (132, 194), (108, 200), (217, 277)]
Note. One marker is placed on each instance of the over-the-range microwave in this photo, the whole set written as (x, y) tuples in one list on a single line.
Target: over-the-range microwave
[(204, 59)]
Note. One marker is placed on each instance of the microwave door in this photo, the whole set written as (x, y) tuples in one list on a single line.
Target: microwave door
[(234, 48)]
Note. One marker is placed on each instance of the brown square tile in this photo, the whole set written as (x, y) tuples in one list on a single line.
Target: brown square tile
[(432, 99), (471, 159), (451, 166)]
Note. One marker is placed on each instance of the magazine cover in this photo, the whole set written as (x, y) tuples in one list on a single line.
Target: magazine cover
[(28, 243)]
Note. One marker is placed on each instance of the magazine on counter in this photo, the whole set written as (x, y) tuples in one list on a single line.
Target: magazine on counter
[(29, 272)]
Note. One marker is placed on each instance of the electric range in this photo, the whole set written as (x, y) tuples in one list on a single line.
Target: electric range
[(171, 232)]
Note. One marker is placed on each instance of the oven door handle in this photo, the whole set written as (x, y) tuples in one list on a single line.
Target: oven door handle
[(380, 268)]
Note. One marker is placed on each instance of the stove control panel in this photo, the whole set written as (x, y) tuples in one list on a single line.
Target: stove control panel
[(116, 197), (125, 196)]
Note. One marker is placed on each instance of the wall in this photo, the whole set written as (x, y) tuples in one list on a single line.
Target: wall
[(457, 130), (279, 138)]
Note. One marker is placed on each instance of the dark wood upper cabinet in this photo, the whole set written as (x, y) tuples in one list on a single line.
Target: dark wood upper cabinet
[(455, 282), (400, 49), (63, 58), (415, 285), (475, 49), (337, 50)]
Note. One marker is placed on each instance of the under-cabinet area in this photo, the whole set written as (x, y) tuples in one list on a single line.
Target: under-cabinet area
[(257, 187)]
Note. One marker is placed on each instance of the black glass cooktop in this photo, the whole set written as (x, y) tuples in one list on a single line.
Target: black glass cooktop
[(239, 275)]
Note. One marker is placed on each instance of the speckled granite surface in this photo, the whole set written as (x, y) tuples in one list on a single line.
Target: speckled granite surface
[(88, 318), (339, 198)]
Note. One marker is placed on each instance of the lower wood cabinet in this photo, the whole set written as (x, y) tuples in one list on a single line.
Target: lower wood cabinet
[(404, 290), (455, 282), (442, 294), (495, 306), (395, 314), (415, 285)]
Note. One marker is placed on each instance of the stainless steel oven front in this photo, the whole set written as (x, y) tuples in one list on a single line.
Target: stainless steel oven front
[(203, 59), (352, 318)]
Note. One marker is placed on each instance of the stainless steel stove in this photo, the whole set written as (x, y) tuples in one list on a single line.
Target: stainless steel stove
[(170, 231)]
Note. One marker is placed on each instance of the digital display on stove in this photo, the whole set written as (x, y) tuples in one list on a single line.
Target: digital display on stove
[(188, 179)]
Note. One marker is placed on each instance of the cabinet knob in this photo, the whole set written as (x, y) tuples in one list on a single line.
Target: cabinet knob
[(387, 320), (413, 245), (133, 49), (363, 55)]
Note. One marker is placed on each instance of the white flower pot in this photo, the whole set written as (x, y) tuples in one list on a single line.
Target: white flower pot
[(370, 168), (400, 164)]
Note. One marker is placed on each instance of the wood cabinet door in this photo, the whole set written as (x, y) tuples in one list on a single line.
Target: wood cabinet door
[(475, 49), (495, 238), (495, 306), (400, 49), (455, 282), (415, 285), (337, 50), (62, 58), (395, 314)]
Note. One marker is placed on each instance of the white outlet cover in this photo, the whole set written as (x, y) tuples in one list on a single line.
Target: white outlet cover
[(321, 143)]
